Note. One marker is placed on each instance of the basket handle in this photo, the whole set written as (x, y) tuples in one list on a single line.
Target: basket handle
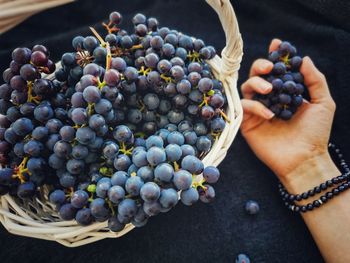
[(232, 53)]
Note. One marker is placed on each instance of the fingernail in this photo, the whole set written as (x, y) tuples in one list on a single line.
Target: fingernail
[(265, 86), (268, 114)]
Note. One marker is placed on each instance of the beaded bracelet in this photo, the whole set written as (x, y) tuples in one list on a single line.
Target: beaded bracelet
[(342, 180)]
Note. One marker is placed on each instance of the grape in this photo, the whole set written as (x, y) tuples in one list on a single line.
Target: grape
[(56, 162), (173, 152), (285, 114), (22, 126), (79, 199), (6, 176), (182, 179), (150, 192), (102, 187), (187, 150), (168, 198), (192, 164), (21, 55), (57, 197), (177, 72), (75, 166), (119, 178), (189, 197), (156, 42), (114, 224), (67, 133), (242, 258), (10, 136), (203, 144), (62, 149), (211, 174), (67, 180), (155, 156), (217, 125), (118, 64), (39, 58), (90, 43), (205, 85), (176, 137), (146, 173), (103, 107), (181, 53), (84, 217), (122, 162), (252, 207), (91, 94), (67, 212), (127, 207), (99, 209), (164, 172), (43, 112), (152, 208), (139, 158), (133, 185), (115, 18), (151, 101), (116, 194), (111, 77), (85, 135), (33, 148), (110, 150), (122, 133), (207, 194), (154, 141)]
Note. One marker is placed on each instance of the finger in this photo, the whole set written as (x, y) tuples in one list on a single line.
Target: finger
[(275, 43), (261, 67), (315, 81), (255, 85), (256, 108)]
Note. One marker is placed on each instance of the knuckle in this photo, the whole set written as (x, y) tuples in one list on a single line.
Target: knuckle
[(322, 77)]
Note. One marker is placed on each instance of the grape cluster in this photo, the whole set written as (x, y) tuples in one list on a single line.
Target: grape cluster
[(287, 82), (120, 133)]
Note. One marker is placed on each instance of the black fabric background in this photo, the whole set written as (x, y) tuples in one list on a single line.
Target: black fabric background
[(219, 231)]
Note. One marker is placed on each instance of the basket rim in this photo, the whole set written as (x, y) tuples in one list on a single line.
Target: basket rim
[(69, 233)]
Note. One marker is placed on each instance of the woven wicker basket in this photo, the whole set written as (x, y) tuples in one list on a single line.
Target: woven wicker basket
[(38, 219), (13, 12)]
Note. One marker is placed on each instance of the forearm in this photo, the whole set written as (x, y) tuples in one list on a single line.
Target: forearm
[(329, 224)]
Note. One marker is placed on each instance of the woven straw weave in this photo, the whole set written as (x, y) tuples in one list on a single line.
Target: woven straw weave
[(13, 12), (38, 218)]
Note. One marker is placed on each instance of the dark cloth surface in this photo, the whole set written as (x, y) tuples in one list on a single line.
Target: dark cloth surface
[(219, 231)]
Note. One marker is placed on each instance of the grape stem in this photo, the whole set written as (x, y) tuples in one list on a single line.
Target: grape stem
[(108, 56), (83, 58), (144, 71), (32, 98), (110, 27), (194, 56), (223, 114), (110, 205), (90, 108), (167, 79), (124, 150), (20, 170), (198, 184), (176, 166), (98, 36)]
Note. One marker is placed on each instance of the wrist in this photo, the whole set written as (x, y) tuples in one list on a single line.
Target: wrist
[(310, 173)]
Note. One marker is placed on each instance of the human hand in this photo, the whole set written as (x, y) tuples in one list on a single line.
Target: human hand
[(295, 146)]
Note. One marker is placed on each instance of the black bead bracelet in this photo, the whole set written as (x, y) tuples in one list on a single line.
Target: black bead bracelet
[(342, 182)]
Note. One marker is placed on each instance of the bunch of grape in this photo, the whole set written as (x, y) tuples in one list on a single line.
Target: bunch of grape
[(287, 82), (120, 133)]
